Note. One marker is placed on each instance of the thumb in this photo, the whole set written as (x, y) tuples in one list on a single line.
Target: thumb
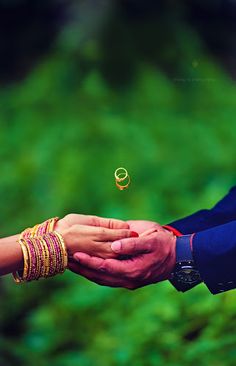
[(131, 246)]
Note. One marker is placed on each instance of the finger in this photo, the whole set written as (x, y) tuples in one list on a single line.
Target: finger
[(93, 240), (110, 223), (141, 225), (91, 220), (148, 232), (107, 222), (101, 234), (114, 267), (115, 234), (133, 246)]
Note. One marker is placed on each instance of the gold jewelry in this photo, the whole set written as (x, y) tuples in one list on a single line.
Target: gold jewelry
[(40, 229), (18, 278), (39, 259), (122, 176), (53, 255), (44, 256), (63, 251), (119, 173), (121, 187)]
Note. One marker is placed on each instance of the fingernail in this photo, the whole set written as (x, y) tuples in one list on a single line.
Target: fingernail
[(134, 234), (116, 246)]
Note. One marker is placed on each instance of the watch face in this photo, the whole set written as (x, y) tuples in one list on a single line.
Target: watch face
[(188, 275)]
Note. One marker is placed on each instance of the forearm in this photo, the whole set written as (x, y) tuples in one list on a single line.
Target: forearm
[(11, 256), (46, 248), (223, 212)]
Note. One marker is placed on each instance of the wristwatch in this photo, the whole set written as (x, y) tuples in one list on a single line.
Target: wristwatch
[(185, 275)]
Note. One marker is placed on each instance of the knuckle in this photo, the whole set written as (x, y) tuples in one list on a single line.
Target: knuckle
[(134, 274), (102, 268), (110, 223), (94, 220), (102, 232), (69, 216)]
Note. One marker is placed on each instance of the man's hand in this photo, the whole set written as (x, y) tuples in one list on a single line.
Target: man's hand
[(152, 259)]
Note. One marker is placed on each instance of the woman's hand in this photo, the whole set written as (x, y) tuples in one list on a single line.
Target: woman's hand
[(91, 234), (95, 241), (77, 219)]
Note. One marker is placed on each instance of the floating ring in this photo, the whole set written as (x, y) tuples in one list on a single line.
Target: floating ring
[(122, 187), (121, 172)]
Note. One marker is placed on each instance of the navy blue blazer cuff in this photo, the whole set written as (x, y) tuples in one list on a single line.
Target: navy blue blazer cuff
[(214, 252)]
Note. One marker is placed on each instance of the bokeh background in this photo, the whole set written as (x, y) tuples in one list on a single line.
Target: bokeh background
[(86, 87)]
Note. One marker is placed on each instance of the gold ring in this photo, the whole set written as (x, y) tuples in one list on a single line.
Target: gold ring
[(122, 187), (121, 172)]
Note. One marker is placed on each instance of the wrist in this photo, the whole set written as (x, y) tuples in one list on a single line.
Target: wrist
[(172, 230), (61, 226), (65, 231), (11, 255), (172, 258), (68, 237), (185, 274), (41, 251)]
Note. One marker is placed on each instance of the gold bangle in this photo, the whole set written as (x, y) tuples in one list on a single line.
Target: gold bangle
[(40, 229), (63, 249), (53, 257), (33, 231), (52, 223), (58, 265), (39, 257), (24, 233), (16, 275), (46, 257)]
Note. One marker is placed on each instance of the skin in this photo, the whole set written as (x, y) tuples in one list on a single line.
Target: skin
[(93, 235), (148, 259), (90, 234)]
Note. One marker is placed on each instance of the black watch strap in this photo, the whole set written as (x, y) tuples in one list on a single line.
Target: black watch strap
[(185, 275), (183, 249)]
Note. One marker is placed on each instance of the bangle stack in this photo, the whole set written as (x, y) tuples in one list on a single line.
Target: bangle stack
[(44, 252), (40, 229)]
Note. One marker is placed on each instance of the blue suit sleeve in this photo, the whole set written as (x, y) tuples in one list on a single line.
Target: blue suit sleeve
[(224, 211), (214, 252)]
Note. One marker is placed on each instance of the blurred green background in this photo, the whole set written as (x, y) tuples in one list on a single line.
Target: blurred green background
[(86, 87)]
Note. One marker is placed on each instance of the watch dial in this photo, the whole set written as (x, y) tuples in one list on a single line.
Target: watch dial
[(188, 275)]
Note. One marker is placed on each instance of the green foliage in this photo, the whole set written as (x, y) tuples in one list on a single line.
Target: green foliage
[(62, 136)]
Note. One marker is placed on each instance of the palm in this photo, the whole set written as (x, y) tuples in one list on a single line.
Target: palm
[(140, 226)]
